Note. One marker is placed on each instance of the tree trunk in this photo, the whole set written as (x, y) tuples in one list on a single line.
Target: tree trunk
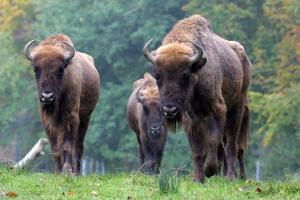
[(36, 150)]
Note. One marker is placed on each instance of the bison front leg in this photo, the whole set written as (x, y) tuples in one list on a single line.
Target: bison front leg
[(150, 160), (213, 161), (233, 125), (69, 142), (198, 148), (215, 127), (56, 153)]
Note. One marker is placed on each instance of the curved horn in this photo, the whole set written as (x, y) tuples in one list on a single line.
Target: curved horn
[(147, 54), (71, 49), (198, 54), (27, 51), (138, 96)]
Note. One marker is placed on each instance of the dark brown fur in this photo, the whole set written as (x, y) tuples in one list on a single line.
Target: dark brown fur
[(143, 112), (210, 94), (76, 84)]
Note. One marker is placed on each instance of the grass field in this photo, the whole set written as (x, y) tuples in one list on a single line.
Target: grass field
[(22, 184)]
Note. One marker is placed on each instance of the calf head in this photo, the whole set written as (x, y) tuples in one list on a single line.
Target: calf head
[(152, 119), (175, 68), (49, 62)]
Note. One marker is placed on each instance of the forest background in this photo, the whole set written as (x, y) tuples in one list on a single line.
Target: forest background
[(114, 32)]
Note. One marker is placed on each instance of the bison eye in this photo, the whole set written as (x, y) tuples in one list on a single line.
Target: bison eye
[(60, 72), (37, 72), (146, 110), (185, 80), (157, 77)]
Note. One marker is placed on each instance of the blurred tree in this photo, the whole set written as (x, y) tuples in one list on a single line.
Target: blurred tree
[(278, 114), (18, 117)]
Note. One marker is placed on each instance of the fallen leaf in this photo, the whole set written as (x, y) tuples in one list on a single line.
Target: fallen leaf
[(95, 193), (258, 189), (11, 194), (70, 193)]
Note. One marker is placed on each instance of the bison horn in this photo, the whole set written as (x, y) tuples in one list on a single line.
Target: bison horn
[(71, 51), (149, 56), (27, 51), (198, 54), (138, 95)]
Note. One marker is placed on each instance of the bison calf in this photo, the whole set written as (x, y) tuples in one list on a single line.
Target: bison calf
[(68, 88), (145, 119)]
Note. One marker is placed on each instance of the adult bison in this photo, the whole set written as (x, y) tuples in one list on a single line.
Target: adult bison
[(203, 81), (146, 120), (68, 88)]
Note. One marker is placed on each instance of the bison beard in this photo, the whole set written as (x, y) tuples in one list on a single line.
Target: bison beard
[(68, 86), (211, 75)]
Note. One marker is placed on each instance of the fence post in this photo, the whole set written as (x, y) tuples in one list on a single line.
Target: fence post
[(257, 173), (84, 167), (102, 167)]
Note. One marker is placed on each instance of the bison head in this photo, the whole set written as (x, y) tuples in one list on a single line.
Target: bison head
[(148, 96), (49, 63), (175, 68)]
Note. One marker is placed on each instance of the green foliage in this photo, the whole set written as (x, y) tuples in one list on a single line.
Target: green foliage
[(168, 181)]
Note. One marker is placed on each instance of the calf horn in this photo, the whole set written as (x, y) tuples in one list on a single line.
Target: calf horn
[(27, 51), (149, 56), (71, 49), (198, 54)]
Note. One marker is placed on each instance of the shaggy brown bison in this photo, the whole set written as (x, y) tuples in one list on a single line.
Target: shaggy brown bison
[(203, 83), (68, 88), (146, 120)]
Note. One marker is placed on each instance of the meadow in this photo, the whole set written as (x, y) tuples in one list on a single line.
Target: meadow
[(23, 184)]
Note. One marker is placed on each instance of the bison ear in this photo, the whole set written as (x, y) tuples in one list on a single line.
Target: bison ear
[(148, 77), (198, 65)]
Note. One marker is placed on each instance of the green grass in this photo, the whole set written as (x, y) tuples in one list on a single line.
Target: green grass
[(28, 185)]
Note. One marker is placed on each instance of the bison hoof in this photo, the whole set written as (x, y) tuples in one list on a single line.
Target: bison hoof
[(198, 179), (243, 177), (67, 169), (211, 170), (231, 177)]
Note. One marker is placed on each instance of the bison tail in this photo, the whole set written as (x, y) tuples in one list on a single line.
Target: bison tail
[(245, 126)]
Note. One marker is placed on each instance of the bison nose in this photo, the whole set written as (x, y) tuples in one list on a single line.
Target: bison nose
[(170, 110), (155, 130), (47, 97)]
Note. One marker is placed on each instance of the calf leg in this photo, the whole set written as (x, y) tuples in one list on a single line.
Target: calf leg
[(220, 157), (233, 129), (150, 160), (225, 168)]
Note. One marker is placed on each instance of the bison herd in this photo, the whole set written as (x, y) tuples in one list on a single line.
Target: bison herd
[(200, 83)]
